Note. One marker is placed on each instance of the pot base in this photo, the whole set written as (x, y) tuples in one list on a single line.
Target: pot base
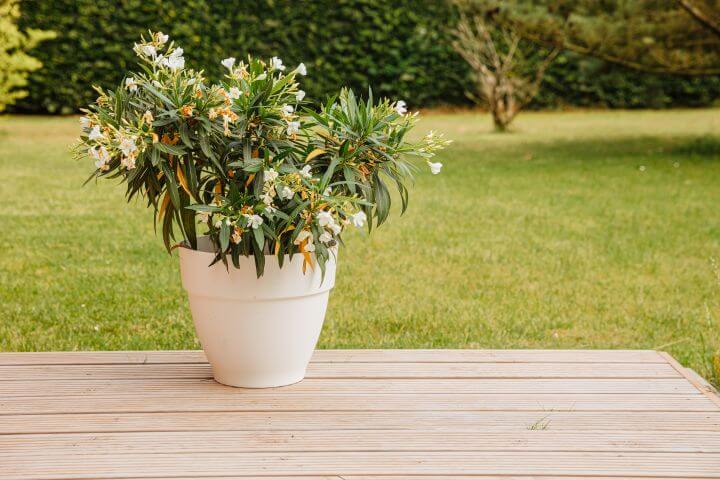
[(261, 381)]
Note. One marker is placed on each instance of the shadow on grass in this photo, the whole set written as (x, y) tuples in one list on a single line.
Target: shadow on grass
[(701, 148)]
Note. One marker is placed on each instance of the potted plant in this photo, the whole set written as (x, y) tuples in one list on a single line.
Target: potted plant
[(257, 187)]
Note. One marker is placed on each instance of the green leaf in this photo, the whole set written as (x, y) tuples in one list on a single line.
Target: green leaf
[(259, 238), (224, 236), (170, 149)]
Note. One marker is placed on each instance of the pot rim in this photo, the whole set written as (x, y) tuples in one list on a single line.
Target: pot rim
[(208, 253)]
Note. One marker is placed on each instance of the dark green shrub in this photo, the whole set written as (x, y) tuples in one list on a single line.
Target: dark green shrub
[(401, 49)]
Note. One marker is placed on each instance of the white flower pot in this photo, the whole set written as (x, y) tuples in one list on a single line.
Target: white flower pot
[(256, 332)]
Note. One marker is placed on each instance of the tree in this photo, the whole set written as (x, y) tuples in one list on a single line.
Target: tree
[(656, 36), (15, 63), (507, 71)]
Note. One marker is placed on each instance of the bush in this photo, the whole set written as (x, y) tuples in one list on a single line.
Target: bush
[(576, 80), (15, 64), (402, 49)]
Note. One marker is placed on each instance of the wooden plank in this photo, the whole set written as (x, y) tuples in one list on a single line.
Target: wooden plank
[(360, 414), (425, 477), (697, 379), (419, 355), (416, 420), (704, 388), (363, 463), (470, 477), (199, 387), (357, 440), (353, 370), (315, 477), (274, 402), (420, 477)]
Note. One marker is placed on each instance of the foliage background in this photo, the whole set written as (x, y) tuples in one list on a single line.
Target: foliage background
[(401, 48)]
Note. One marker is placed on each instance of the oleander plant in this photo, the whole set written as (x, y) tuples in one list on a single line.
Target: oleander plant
[(246, 160)]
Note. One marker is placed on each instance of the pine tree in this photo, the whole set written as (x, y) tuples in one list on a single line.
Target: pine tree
[(658, 36)]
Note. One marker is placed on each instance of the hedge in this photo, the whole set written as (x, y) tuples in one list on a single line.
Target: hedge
[(401, 49)]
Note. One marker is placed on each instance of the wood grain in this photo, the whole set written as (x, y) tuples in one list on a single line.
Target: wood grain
[(360, 415), (358, 370), (203, 387), (324, 356), (364, 463), (277, 402)]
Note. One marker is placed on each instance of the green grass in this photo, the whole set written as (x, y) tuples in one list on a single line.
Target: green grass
[(578, 230)]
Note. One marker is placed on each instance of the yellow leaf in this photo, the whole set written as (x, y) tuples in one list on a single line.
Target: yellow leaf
[(314, 153), (181, 177), (163, 206), (307, 261), (308, 258)]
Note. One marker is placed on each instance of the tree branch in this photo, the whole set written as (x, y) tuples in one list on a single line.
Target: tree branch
[(566, 45), (700, 16)]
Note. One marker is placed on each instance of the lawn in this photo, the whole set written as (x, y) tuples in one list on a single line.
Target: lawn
[(578, 230)]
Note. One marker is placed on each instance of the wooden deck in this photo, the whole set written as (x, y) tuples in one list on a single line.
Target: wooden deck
[(359, 415)]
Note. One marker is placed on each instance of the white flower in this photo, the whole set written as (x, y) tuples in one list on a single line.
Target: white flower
[(267, 199), (304, 234), (301, 69), (262, 76), (310, 247), (336, 229), (127, 146), (325, 237), (325, 218), (293, 128), (401, 107), (175, 60), (236, 236), (300, 95), (218, 223), (234, 92), (204, 216), (327, 192), (128, 162), (286, 193), (435, 167), (276, 64), (270, 175), (287, 110), (148, 50), (305, 172), (228, 63), (95, 133), (131, 84), (162, 38), (359, 219), (101, 156), (85, 123), (148, 117), (254, 221)]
